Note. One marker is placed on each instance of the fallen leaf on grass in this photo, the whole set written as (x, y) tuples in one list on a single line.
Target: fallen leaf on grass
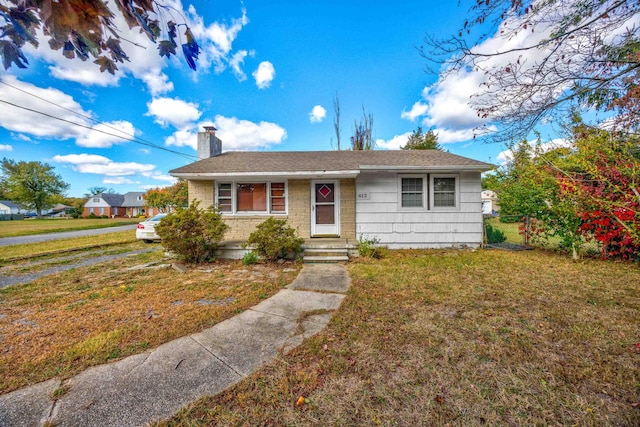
[(300, 401)]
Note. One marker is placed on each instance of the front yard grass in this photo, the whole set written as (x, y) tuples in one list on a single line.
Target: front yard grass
[(40, 226), (458, 338), (59, 325)]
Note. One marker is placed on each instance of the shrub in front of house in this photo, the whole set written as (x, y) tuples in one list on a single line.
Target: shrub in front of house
[(494, 235), (192, 234), (274, 239)]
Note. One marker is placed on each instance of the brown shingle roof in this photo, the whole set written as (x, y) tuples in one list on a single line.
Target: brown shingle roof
[(329, 161)]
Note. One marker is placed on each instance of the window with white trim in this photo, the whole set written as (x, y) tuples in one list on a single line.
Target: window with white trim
[(224, 197), (428, 192), (412, 192), (445, 191), (251, 197)]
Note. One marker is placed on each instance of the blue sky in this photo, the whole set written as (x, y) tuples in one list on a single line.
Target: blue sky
[(266, 79)]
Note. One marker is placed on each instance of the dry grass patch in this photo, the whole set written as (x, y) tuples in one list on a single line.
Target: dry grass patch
[(51, 225), (30, 250), (62, 324), (458, 338)]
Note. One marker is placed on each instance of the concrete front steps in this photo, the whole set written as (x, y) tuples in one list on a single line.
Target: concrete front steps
[(328, 250), (317, 250)]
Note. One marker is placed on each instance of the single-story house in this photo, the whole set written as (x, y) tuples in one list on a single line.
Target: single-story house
[(490, 204), (401, 198), (130, 204), (7, 207)]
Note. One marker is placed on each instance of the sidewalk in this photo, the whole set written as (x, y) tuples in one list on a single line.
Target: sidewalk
[(156, 384)]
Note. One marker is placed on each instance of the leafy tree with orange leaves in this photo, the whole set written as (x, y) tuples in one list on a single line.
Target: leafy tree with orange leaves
[(85, 28), (168, 198)]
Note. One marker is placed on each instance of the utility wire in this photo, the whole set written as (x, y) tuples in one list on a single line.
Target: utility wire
[(126, 138)]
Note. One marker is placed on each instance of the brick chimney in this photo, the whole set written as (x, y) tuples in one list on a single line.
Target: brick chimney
[(209, 145)]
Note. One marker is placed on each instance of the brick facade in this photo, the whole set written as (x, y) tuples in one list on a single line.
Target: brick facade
[(299, 208), (348, 208)]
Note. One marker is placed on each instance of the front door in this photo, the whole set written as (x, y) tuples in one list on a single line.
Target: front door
[(325, 208)]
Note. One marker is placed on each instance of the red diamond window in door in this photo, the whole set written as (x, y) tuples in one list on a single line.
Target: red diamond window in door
[(324, 191)]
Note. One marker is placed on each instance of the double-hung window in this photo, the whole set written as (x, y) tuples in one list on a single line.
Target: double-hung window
[(251, 197), (412, 192), (444, 191), (428, 192)]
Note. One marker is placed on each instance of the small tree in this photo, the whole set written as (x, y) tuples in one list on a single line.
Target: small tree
[(422, 141), (167, 198), (34, 185), (362, 138), (192, 234), (274, 239)]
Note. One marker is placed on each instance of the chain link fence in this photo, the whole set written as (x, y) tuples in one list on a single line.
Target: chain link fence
[(521, 231)]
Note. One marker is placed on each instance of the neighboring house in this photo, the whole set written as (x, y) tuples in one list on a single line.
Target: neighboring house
[(404, 198), (59, 210), (7, 207), (131, 204), (489, 202)]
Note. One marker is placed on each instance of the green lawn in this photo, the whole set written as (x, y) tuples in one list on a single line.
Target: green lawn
[(30, 250), (460, 338), (510, 230), (40, 226)]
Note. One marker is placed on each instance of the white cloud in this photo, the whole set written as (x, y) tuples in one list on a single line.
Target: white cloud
[(59, 105), (264, 74), (216, 41), (237, 61), (100, 165), (418, 109), (236, 134), (146, 64), (394, 143), (160, 177), (118, 181), (105, 135), (62, 117), (447, 105), (6, 147), (173, 111), (317, 114)]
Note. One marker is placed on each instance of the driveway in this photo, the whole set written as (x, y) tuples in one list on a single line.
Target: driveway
[(21, 240)]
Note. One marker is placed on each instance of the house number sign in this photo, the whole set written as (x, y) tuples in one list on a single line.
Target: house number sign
[(363, 196)]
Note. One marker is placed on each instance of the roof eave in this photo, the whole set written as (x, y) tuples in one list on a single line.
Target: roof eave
[(391, 168), (283, 174)]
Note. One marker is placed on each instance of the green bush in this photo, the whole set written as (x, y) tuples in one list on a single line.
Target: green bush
[(368, 247), (494, 235), (274, 239), (250, 258), (192, 234)]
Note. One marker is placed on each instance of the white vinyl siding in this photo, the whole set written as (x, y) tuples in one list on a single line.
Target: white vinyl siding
[(381, 215)]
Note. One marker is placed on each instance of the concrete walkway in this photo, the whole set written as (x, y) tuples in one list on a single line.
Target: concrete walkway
[(156, 384)]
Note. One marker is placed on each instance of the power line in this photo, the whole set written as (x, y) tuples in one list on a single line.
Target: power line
[(126, 138)]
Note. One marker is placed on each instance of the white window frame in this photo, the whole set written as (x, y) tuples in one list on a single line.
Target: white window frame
[(234, 195), (425, 195), (456, 196)]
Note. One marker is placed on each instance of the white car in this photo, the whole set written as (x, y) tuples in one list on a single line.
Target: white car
[(146, 229)]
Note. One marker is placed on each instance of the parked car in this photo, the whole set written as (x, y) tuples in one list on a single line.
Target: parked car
[(146, 229)]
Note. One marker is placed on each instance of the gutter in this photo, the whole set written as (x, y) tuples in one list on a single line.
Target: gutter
[(282, 174)]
